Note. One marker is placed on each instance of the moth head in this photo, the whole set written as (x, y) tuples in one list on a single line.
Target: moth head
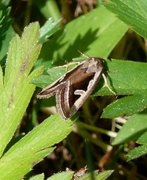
[(93, 65)]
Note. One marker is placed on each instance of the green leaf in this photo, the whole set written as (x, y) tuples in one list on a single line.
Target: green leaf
[(48, 29), (53, 74), (137, 152), (49, 9), (128, 105), (1, 79), (134, 126), (95, 37), (97, 176), (22, 55), (104, 175), (33, 147), (5, 2), (126, 77), (142, 139), (69, 174), (37, 177), (132, 13), (18, 90), (62, 175), (6, 31), (42, 81)]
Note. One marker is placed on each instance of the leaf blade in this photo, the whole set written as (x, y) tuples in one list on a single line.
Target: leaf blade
[(33, 147), (134, 14)]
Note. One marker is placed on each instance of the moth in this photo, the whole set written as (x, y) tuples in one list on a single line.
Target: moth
[(73, 89)]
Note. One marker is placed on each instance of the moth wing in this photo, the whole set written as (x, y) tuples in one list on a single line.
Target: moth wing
[(50, 90), (85, 94), (63, 97)]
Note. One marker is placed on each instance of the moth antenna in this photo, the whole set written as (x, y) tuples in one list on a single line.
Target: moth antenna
[(83, 54), (106, 84)]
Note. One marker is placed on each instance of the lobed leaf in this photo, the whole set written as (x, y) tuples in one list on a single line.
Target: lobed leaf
[(126, 77), (142, 139), (133, 14), (137, 152), (62, 175), (97, 176), (37, 177), (132, 129), (95, 39), (6, 30), (126, 106), (33, 147), (18, 90), (48, 29)]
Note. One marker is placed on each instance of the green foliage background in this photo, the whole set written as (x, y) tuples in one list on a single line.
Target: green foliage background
[(33, 56)]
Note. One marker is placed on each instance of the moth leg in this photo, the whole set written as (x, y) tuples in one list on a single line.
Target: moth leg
[(79, 92), (90, 84), (106, 84), (85, 94)]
